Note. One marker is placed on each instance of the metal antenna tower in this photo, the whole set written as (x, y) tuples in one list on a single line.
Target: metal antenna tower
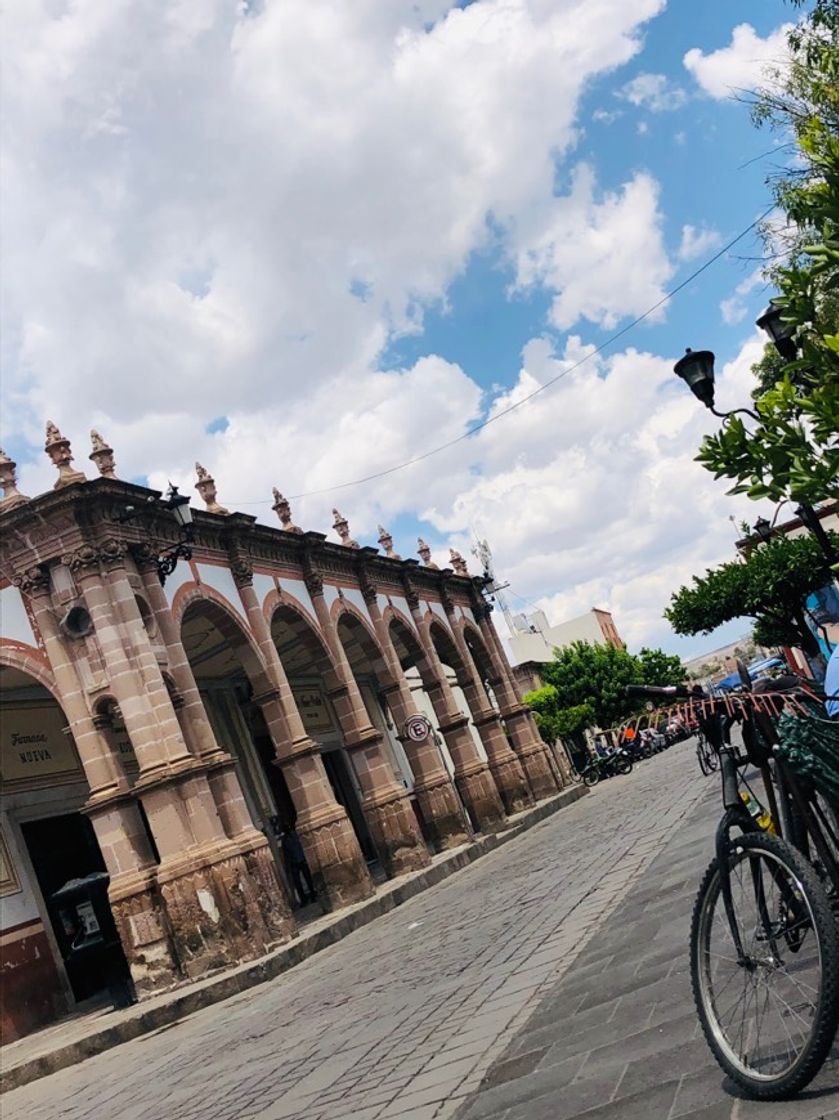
[(483, 553)]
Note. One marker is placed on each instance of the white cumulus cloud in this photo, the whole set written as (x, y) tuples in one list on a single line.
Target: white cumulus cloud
[(653, 91), (742, 65)]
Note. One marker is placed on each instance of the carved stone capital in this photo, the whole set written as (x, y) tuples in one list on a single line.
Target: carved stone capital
[(82, 560), (33, 580), (112, 553), (145, 557), (312, 576)]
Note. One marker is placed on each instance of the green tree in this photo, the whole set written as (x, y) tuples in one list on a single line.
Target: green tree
[(769, 585), (662, 668), (554, 721), (793, 449), (596, 676)]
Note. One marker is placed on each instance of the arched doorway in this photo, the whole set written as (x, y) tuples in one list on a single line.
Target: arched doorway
[(228, 674), (51, 957), (375, 683), (308, 666)]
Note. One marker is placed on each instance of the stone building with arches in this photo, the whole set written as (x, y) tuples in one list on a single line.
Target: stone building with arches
[(168, 730)]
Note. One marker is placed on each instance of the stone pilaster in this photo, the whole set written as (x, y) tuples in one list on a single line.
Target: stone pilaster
[(386, 805), (335, 859)]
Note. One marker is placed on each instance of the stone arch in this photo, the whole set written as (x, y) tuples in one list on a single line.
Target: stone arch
[(31, 661), (229, 623), (481, 654), (301, 641), (350, 624)]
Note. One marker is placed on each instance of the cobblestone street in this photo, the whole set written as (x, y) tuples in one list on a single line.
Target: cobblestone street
[(406, 1017)]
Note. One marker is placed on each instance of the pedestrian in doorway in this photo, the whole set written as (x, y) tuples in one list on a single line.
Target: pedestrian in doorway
[(297, 867)]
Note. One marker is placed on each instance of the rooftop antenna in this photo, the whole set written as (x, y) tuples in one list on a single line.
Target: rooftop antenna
[(492, 589)]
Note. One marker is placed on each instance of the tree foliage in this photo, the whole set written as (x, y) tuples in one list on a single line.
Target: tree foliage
[(554, 721), (793, 450), (769, 585), (585, 685)]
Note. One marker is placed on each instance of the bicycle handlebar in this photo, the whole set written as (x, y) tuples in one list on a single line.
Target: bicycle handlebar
[(651, 690)]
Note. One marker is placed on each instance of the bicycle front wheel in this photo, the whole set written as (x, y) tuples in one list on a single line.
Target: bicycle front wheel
[(703, 761), (769, 1016)]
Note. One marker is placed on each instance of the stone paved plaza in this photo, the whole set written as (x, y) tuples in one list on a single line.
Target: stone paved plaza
[(468, 1001)]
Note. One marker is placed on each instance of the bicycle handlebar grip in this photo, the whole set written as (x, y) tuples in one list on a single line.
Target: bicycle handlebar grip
[(657, 690)]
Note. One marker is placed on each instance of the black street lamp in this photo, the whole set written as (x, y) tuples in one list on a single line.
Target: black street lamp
[(696, 369), (178, 504), (763, 529), (779, 331)]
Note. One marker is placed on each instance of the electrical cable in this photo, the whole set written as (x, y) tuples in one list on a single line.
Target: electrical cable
[(541, 389)]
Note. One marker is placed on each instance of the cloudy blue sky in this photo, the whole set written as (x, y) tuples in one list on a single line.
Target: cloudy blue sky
[(302, 243)]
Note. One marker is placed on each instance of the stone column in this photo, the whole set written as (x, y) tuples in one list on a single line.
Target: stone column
[(386, 805), (438, 799), (219, 767), (504, 764), (218, 914), (135, 900), (525, 736), (472, 775), (335, 859)]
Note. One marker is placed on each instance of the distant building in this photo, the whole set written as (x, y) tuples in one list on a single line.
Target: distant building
[(533, 641)]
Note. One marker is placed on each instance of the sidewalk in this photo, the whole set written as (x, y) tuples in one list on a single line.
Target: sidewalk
[(81, 1036), (617, 1037)]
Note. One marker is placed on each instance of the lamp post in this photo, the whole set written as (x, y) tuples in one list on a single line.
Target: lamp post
[(178, 505), (763, 530), (779, 331), (696, 369)]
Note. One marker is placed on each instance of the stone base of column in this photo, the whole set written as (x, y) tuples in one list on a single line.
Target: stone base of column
[(512, 784), (540, 774), (396, 834), (338, 868), (218, 916), (145, 933), (480, 795), (442, 813)]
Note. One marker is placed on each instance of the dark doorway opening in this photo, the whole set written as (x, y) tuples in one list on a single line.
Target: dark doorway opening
[(64, 848), (337, 770)]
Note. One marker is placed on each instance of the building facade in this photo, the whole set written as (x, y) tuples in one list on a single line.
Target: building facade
[(167, 726), (533, 640)]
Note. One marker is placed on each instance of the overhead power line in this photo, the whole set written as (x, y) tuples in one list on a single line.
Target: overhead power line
[(541, 389)]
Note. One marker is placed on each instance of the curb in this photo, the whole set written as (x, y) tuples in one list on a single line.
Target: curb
[(233, 981)]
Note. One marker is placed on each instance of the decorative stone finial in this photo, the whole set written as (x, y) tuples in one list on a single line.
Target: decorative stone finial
[(386, 541), (8, 480), (283, 511), (206, 487), (458, 563), (102, 455), (342, 528), (424, 553), (58, 449)]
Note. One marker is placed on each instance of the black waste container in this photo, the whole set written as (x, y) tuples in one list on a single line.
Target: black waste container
[(88, 923)]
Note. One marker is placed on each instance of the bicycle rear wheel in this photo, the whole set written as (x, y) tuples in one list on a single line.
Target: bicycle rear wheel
[(703, 762), (769, 1018)]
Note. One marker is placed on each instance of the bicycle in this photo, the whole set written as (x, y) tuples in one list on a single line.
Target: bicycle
[(705, 755), (606, 766), (764, 943)]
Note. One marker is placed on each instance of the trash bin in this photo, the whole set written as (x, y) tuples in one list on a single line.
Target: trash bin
[(86, 917)]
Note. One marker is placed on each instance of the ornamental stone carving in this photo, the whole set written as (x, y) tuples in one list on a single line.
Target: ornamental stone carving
[(206, 487), (82, 559), (102, 455), (342, 528), (283, 510), (458, 563), (311, 574), (58, 449), (112, 552), (8, 480), (33, 580), (386, 542), (424, 553)]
